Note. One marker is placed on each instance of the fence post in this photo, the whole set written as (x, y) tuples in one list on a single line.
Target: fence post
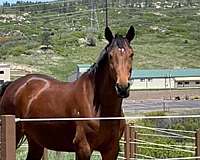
[(8, 137), (45, 154), (127, 142), (133, 146), (197, 144)]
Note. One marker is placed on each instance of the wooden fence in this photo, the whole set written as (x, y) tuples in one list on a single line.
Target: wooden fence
[(8, 140)]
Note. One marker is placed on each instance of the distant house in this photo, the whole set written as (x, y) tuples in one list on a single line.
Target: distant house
[(156, 78), (165, 79), (4, 73)]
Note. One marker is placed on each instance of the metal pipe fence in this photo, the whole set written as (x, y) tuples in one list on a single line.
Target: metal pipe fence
[(131, 144)]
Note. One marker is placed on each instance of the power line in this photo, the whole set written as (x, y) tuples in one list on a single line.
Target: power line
[(52, 18), (63, 14)]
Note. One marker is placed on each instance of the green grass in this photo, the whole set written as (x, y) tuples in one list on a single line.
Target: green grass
[(165, 38), (53, 155)]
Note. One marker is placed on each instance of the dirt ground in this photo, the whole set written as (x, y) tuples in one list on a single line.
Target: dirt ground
[(164, 94)]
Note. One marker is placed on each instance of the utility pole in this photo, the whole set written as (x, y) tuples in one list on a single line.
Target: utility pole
[(106, 13)]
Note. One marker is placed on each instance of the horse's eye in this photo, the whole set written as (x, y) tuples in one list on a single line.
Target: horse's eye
[(131, 56)]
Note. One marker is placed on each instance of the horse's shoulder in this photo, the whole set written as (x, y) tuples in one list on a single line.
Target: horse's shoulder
[(85, 78)]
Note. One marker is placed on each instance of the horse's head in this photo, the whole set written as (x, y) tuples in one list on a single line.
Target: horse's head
[(120, 57)]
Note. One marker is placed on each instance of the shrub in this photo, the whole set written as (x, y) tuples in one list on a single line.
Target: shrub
[(91, 40), (100, 35)]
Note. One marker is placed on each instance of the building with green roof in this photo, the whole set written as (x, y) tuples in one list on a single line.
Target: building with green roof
[(165, 78), (157, 78)]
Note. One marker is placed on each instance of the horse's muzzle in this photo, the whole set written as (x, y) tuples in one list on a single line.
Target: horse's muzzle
[(122, 90)]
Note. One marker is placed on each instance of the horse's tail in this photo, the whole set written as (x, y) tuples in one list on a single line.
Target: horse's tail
[(3, 87), (22, 140), (2, 90)]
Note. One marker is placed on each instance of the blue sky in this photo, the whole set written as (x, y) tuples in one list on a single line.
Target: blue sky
[(14, 1)]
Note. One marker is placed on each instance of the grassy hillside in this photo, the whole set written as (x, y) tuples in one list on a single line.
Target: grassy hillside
[(165, 37)]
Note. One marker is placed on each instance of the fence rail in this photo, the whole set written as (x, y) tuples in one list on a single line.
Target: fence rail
[(131, 141)]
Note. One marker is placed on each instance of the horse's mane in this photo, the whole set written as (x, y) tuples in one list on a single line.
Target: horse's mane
[(100, 61), (120, 41), (93, 72)]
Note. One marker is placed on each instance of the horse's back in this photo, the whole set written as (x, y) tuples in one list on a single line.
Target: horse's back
[(24, 89)]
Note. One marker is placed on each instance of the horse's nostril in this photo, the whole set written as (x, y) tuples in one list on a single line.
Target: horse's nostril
[(122, 90), (119, 86), (123, 87)]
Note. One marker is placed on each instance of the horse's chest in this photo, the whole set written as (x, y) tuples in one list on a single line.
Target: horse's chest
[(107, 134)]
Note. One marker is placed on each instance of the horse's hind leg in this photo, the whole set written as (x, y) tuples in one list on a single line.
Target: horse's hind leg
[(35, 151)]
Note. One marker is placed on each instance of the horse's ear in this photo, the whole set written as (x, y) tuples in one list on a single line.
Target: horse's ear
[(108, 34), (130, 34)]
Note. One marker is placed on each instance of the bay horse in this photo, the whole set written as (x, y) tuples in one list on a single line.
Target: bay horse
[(97, 93)]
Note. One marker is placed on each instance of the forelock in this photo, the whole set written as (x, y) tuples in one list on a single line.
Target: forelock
[(119, 41)]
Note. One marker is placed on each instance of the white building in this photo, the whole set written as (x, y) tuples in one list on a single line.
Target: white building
[(150, 79), (165, 79), (4, 73)]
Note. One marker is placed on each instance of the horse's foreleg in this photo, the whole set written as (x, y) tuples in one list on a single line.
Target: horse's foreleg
[(83, 150), (35, 151), (110, 152)]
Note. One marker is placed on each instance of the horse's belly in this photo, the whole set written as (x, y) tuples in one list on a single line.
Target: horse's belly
[(51, 135)]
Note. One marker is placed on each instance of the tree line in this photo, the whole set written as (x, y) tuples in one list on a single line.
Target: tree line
[(61, 6)]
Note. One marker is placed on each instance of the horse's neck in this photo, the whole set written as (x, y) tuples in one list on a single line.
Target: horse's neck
[(106, 96)]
